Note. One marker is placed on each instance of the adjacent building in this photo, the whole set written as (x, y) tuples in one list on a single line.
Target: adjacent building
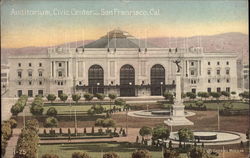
[(120, 63)]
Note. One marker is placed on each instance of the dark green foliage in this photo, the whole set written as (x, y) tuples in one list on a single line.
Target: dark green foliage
[(100, 96), (110, 155), (169, 96), (120, 102), (76, 97), (160, 132), (37, 106), (215, 95), (88, 96), (52, 111), (51, 98), (13, 123), (51, 122), (80, 155), (141, 154), (244, 95), (226, 94), (15, 109), (198, 152), (185, 134), (95, 109), (191, 95), (170, 153), (144, 131), (63, 97), (19, 105), (50, 156), (112, 96)]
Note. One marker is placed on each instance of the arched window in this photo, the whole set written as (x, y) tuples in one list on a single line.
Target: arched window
[(96, 79), (157, 77), (127, 80)]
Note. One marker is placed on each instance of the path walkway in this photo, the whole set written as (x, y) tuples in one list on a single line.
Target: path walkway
[(12, 143)]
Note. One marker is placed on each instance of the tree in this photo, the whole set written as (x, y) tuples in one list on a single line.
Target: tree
[(51, 98), (160, 132), (191, 95), (203, 95), (244, 95), (50, 156), (52, 111), (88, 96), (111, 97), (36, 110), (170, 153), (99, 122), (109, 123), (80, 155), (145, 131), (76, 97), (120, 102), (13, 123), (225, 94), (215, 95), (141, 154), (111, 155), (169, 96), (100, 96), (15, 109), (199, 103), (51, 122), (198, 152), (185, 134), (63, 97)]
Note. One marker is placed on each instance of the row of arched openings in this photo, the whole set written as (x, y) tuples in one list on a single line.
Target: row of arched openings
[(127, 80)]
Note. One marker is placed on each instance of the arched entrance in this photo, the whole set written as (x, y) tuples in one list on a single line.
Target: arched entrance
[(96, 79), (157, 77), (127, 80)]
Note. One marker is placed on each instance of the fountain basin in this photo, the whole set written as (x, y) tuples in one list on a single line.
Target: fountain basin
[(205, 136)]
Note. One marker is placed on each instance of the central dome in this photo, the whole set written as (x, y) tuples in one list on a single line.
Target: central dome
[(119, 39)]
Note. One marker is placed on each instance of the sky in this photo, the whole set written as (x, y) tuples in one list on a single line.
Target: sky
[(27, 23)]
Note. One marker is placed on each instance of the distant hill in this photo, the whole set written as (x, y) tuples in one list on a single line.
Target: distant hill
[(226, 42)]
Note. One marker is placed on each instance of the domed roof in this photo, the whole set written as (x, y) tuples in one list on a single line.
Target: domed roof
[(118, 39)]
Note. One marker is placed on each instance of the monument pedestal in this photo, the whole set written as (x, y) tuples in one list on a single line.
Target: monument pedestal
[(178, 118)]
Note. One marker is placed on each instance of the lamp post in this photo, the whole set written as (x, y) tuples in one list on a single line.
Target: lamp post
[(127, 122), (161, 87), (130, 83), (70, 106), (75, 122)]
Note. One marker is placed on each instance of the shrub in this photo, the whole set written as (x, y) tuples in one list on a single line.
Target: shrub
[(120, 102), (51, 122), (191, 95), (169, 96), (50, 156), (110, 155), (76, 97), (109, 123), (80, 155), (63, 97), (88, 96), (170, 153), (160, 132), (144, 131), (100, 96), (52, 111), (13, 123), (15, 109), (51, 98), (141, 154), (3, 146), (198, 152), (36, 110), (112, 96)]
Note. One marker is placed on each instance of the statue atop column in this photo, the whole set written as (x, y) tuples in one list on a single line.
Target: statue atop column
[(177, 64)]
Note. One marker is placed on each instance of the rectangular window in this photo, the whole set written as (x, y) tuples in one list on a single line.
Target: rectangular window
[(192, 63), (30, 82), (208, 90), (60, 92), (40, 64), (40, 92), (40, 74), (30, 74), (60, 73), (30, 93), (209, 81), (19, 93), (19, 83), (228, 89), (60, 64), (19, 74), (218, 89), (209, 72), (227, 62), (228, 80), (227, 72), (208, 63), (193, 90), (29, 64), (218, 63), (218, 80), (40, 82), (192, 72), (218, 72), (19, 64)]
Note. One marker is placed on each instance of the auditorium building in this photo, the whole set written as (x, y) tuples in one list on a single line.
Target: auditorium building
[(119, 63)]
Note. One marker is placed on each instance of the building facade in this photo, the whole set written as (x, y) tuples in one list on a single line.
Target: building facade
[(119, 63)]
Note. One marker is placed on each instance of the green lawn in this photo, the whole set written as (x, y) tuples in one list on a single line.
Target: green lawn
[(66, 109), (95, 150), (236, 105)]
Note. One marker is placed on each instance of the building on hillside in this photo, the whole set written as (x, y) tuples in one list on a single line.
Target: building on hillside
[(119, 63), (4, 78), (246, 77)]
